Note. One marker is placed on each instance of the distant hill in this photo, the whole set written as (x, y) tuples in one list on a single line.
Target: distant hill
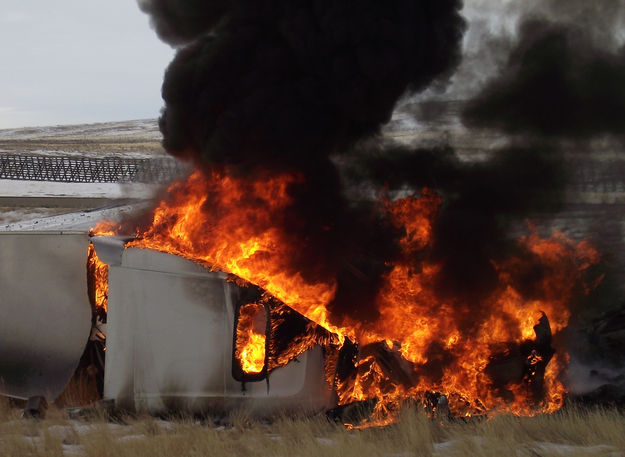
[(136, 138)]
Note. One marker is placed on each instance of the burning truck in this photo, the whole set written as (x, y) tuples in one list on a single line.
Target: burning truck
[(421, 345), (300, 266), (205, 326), (166, 350)]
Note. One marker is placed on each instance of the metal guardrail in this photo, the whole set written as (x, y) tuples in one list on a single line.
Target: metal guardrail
[(88, 170), (585, 176)]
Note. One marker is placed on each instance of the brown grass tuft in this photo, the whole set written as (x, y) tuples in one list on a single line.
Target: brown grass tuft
[(572, 432)]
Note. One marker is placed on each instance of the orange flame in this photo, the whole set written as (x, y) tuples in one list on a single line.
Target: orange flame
[(250, 348), (420, 343), (98, 275), (105, 228)]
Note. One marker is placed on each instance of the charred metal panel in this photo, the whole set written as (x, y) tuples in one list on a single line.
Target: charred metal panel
[(45, 315), (170, 343)]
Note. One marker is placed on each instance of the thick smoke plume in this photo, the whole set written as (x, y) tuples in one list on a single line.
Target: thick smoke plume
[(273, 86), (559, 81), (482, 200), (562, 80), (493, 32), (287, 81), (266, 86), (562, 84), (262, 87)]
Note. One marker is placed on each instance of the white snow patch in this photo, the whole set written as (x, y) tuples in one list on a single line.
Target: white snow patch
[(75, 220), (532, 449), (90, 154), (141, 128), (567, 449), (325, 441), (71, 450), (14, 188), (135, 437)]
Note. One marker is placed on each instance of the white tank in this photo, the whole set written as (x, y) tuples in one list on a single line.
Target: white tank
[(45, 315)]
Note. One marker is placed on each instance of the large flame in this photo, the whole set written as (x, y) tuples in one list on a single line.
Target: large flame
[(429, 344)]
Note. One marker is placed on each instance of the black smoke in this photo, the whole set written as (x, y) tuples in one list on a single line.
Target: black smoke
[(562, 85), (283, 85), (482, 202), (266, 86), (558, 81), (289, 81)]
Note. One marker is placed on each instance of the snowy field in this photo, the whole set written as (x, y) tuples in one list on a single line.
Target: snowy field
[(37, 205), (61, 190), (43, 205), (142, 129), (129, 139)]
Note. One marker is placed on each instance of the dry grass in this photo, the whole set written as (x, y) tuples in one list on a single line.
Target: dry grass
[(81, 390), (575, 432)]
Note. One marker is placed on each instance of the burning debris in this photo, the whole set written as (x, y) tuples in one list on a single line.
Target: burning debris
[(491, 358)]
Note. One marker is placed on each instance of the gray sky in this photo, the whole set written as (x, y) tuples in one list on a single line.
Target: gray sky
[(82, 61), (73, 61), (77, 61)]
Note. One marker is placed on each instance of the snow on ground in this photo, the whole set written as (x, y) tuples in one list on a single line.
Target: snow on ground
[(95, 154), (142, 128), (12, 214), (42, 205), (80, 220), (533, 449), (14, 188)]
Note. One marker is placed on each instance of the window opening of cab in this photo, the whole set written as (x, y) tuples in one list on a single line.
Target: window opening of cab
[(250, 342)]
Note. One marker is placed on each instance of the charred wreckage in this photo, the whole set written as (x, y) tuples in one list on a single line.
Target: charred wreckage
[(178, 337)]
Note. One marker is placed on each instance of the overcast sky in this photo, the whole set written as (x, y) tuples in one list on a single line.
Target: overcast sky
[(82, 61), (77, 61)]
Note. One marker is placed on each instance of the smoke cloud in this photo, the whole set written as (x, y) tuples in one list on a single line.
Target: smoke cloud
[(562, 84), (260, 87), (559, 81), (272, 86), (286, 82), (264, 86), (482, 200)]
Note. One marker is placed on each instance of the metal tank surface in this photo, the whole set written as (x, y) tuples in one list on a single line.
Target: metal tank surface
[(45, 314), (170, 343)]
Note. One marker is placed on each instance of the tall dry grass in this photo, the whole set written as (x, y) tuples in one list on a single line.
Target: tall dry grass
[(573, 432)]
